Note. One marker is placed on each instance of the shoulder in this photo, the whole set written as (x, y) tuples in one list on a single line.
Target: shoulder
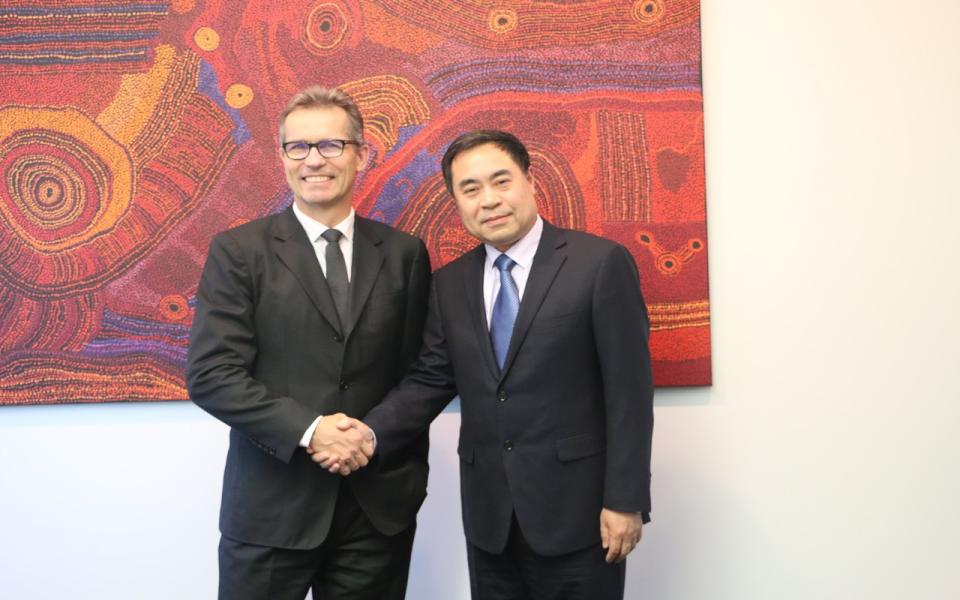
[(594, 258), (251, 239), (456, 268), (251, 230), (587, 244)]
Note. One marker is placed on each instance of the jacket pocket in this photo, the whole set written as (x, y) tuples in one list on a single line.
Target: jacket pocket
[(579, 446)]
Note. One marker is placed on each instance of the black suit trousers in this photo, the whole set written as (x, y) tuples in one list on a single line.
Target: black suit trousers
[(519, 573), (355, 562)]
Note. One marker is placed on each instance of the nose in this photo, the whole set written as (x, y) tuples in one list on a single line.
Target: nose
[(489, 198), (314, 157)]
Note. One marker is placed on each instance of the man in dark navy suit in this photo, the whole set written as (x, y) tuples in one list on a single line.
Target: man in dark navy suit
[(543, 333)]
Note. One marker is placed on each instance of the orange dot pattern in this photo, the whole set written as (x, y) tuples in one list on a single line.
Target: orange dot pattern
[(626, 188), (669, 262), (387, 103), (537, 24)]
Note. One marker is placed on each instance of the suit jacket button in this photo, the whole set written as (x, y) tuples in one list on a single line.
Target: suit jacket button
[(337, 338), (501, 395), (508, 445), (344, 385)]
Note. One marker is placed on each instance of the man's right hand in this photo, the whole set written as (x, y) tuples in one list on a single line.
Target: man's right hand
[(341, 444)]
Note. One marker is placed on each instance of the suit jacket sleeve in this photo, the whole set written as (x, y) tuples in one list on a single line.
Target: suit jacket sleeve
[(223, 352), (418, 290), (621, 331), (429, 386)]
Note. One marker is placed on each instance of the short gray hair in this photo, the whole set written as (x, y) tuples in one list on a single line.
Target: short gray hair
[(317, 96)]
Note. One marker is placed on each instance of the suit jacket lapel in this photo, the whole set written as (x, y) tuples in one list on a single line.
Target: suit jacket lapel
[(294, 250), (546, 264), (473, 280), (367, 260)]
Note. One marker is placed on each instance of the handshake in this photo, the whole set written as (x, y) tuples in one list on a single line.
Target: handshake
[(341, 444)]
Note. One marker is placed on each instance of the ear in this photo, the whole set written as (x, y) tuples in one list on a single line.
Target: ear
[(533, 184), (363, 156)]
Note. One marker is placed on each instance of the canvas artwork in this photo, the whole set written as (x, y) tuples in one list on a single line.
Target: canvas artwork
[(132, 132)]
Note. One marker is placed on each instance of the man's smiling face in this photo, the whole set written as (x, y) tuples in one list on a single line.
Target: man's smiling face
[(495, 198), (322, 187)]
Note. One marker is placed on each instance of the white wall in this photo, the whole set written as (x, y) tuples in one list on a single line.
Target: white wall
[(820, 465)]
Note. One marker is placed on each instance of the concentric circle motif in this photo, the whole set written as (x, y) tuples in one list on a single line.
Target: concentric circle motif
[(65, 180), (648, 12), (207, 39), (669, 263), (174, 308), (238, 95), (50, 193), (326, 27), (502, 20)]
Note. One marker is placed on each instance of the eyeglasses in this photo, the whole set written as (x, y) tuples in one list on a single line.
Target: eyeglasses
[(326, 148)]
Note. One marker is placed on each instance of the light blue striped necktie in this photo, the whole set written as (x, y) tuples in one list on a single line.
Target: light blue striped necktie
[(504, 309)]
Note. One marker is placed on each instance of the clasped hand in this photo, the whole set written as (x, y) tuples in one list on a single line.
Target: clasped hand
[(341, 444)]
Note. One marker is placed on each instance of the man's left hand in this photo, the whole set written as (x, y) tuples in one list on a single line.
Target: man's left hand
[(620, 533)]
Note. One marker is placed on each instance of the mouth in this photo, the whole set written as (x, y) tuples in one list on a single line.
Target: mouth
[(495, 220), (317, 178)]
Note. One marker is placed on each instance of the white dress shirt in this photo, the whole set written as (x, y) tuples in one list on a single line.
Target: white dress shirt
[(315, 231), (521, 253)]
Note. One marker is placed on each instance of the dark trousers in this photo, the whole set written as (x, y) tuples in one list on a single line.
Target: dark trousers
[(519, 573), (355, 562)]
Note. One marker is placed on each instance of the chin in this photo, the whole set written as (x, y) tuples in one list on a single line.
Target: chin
[(501, 243), (318, 201)]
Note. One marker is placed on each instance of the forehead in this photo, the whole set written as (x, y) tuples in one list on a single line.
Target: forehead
[(482, 161), (320, 122)]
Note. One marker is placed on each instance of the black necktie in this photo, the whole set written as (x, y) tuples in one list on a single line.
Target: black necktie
[(337, 276)]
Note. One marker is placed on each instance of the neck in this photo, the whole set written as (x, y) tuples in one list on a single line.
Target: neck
[(325, 215), (507, 246)]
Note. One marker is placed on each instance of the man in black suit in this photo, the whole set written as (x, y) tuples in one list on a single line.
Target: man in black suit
[(305, 314), (543, 333)]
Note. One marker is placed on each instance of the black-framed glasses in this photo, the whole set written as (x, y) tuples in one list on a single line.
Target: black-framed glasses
[(327, 148)]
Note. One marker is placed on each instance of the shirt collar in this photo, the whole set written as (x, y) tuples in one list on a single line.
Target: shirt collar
[(315, 228), (523, 250)]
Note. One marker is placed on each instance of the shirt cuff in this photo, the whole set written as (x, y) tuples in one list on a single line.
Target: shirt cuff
[(308, 434)]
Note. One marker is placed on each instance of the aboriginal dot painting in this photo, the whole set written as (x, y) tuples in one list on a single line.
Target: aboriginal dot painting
[(132, 132)]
